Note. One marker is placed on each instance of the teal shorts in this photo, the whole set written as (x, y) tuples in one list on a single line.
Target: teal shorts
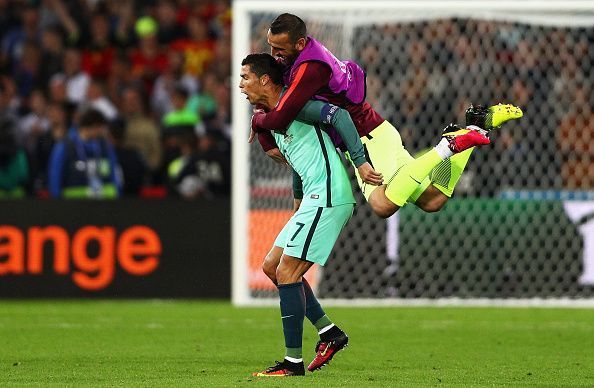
[(311, 232)]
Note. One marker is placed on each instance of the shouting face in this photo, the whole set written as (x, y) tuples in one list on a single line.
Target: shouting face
[(251, 85)]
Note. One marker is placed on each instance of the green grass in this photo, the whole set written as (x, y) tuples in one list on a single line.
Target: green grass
[(187, 343)]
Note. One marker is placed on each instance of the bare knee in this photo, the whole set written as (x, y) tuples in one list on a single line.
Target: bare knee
[(380, 204), (269, 268), (271, 262), (434, 206), (381, 211), (291, 270)]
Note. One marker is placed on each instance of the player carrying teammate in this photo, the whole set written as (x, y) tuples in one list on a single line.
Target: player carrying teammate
[(312, 70), (323, 202)]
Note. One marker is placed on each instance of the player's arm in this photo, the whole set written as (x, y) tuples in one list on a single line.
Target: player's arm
[(309, 78), (319, 112), (297, 191)]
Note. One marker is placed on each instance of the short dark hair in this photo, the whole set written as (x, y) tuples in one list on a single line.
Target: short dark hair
[(264, 63), (291, 24), (92, 117)]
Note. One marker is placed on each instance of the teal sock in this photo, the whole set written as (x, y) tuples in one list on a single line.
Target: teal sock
[(292, 306), (313, 310)]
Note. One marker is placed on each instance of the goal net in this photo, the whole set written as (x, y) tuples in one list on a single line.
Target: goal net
[(520, 226)]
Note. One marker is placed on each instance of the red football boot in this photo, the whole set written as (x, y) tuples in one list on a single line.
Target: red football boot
[(283, 369), (325, 350)]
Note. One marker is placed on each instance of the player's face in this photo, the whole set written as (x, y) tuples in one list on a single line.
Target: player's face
[(282, 49), (250, 85)]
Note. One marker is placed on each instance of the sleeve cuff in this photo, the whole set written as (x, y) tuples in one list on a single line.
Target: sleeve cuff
[(359, 161)]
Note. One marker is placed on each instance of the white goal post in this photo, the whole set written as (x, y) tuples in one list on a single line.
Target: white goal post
[(343, 20)]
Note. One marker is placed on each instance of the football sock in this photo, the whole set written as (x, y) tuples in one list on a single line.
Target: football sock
[(408, 178), (447, 173), (313, 310), (292, 306)]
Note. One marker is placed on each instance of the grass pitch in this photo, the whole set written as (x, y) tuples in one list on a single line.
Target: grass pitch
[(191, 343)]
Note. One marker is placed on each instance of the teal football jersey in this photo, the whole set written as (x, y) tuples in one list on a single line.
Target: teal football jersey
[(309, 150)]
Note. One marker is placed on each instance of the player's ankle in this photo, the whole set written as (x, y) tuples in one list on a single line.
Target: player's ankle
[(331, 333)]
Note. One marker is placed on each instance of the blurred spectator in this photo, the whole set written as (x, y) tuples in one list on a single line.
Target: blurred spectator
[(35, 123), (204, 171), (198, 48), (58, 117), (26, 75), (98, 56), (204, 102), (97, 99), (577, 146), (148, 60), (186, 146), (9, 102), (177, 125), (14, 167), (141, 132), (165, 83), (77, 81), (119, 79), (84, 164), (169, 27), (58, 91), (131, 164), (52, 52), (18, 36), (181, 118), (122, 15)]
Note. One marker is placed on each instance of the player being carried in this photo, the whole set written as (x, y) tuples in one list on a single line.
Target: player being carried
[(323, 204), (311, 70)]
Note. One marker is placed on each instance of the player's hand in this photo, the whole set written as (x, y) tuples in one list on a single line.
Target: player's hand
[(254, 128), (369, 175), (276, 155)]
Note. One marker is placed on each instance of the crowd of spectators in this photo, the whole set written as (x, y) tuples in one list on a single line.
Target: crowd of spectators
[(158, 72), (110, 98)]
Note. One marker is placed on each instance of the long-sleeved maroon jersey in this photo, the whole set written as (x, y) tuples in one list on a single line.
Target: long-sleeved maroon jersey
[(311, 79)]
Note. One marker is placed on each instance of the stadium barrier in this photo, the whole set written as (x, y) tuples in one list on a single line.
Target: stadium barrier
[(124, 248), (504, 250), (499, 249)]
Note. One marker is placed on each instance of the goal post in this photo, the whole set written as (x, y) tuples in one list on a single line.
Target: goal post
[(527, 216)]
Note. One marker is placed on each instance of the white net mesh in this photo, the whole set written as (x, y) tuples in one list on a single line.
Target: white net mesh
[(514, 228)]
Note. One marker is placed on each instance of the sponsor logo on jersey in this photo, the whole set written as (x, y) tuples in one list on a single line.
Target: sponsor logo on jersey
[(287, 138)]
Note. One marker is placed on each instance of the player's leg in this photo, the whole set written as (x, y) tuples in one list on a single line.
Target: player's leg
[(313, 310), (410, 176), (289, 273), (311, 240), (387, 155)]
